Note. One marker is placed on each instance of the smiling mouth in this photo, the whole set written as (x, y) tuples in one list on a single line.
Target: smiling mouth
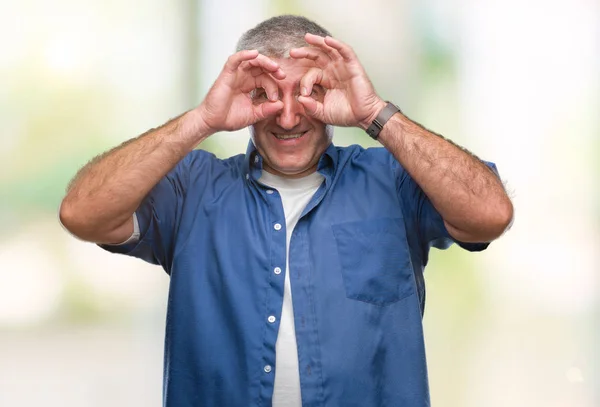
[(289, 136)]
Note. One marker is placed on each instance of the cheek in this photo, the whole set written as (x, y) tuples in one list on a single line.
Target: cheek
[(257, 130), (257, 134)]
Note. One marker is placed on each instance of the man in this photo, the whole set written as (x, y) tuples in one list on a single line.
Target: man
[(297, 268)]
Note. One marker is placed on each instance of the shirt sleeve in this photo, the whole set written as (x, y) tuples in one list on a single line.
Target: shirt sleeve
[(158, 218), (421, 215), (135, 235)]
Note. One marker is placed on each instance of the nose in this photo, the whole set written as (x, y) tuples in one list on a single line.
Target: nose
[(289, 116)]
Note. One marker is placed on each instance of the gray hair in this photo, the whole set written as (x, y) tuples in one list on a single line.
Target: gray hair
[(277, 35)]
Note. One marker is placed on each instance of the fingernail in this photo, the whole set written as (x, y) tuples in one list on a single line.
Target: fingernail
[(274, 96), (304, 91)]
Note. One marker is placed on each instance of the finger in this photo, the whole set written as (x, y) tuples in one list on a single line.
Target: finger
[(266, 64), (267, 109), (320, 57), (256, 71), (234, 61), (319, 42), (269, 85), (312, 107), (312, 76), (345, 50)]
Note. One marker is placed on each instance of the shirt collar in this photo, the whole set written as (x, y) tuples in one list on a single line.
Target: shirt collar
[(253, 162)]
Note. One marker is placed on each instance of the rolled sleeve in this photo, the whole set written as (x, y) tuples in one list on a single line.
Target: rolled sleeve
[(159, 216), (425, 219)]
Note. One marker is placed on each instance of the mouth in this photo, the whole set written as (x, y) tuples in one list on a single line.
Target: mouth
[(293, 136)]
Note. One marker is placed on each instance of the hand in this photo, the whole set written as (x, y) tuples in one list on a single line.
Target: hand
[(228, 105), (350, 99)]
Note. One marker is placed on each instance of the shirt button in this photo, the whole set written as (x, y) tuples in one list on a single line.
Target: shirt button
[(247, 176), (255, 158), (277, 226), (271, 319), (277, 270), (267, 369), (270, 191)]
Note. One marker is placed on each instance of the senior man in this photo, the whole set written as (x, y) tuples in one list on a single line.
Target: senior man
[(296, 269)]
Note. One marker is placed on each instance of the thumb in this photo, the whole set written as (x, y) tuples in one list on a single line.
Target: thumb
[(267, 109), (312, 107)]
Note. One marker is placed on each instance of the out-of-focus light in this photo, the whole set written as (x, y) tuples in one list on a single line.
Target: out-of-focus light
[(574, 375), (31, 283), (117, 279), (64, 54)]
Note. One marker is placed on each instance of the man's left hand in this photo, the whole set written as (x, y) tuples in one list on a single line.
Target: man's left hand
[(350, 99)]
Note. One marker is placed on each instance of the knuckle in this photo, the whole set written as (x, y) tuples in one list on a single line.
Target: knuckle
[(231, 61)]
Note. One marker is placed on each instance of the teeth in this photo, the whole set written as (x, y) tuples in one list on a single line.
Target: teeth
[(288, 136)]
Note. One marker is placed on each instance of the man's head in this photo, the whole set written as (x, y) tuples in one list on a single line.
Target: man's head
[(291, 142)]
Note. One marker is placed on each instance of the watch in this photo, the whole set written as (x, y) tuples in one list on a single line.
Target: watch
[(386, 114)]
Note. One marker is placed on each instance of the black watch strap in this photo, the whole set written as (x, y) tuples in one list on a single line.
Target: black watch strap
[(386, 114)]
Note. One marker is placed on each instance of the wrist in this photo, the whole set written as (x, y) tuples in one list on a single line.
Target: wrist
[(195, 127), (384, 116), (378, 106)]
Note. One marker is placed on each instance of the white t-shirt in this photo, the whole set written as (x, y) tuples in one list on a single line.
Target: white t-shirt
[(295, 195)]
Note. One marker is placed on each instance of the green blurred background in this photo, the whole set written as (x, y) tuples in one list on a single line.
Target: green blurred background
[(516, 82)]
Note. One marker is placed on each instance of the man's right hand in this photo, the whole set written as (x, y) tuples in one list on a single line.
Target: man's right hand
[(104, 194), (228, 105)]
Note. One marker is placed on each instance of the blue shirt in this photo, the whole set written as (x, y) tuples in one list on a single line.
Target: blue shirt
[(357, 256)]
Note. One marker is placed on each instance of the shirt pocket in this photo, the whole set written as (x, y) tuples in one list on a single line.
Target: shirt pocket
[(375, 260)]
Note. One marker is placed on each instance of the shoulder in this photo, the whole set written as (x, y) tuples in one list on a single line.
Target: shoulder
[(201, 160), (371, 156), (200, 167)]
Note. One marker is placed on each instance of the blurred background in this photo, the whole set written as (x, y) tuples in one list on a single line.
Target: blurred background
[(515, 81)]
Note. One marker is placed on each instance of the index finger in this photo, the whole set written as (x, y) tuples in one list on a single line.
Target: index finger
[(320, 57), (266, 64), (345, 50), (235, 60), (319, 42)]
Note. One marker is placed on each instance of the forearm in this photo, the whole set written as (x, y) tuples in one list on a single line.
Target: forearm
[(468, 195), (104, 194)]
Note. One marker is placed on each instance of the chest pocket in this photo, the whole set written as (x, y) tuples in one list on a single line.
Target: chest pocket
[(375, 260)]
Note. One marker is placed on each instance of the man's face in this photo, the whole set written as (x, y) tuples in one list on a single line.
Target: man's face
[(291, 142)]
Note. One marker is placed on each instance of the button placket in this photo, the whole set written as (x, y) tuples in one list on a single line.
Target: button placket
[(277, 256)]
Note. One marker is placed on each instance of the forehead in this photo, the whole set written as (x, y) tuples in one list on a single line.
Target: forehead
[(294, 70)]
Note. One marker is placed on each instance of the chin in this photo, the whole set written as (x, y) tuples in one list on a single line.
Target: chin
[(290, 170)]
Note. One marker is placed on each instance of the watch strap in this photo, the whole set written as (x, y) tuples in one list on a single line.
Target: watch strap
[(386, 114)]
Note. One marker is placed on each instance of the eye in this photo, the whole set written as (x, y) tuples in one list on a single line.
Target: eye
[(317, 92), (259, 95)]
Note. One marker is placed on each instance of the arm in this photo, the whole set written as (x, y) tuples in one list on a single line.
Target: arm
[(467, 194), (103, 196)]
